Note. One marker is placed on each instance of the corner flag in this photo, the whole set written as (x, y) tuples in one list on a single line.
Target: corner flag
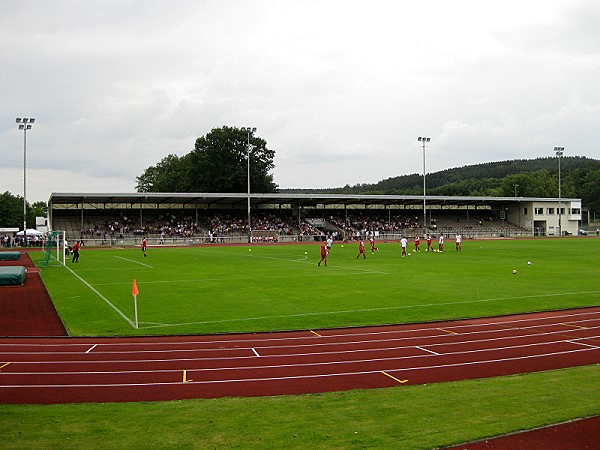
[(135, 291)]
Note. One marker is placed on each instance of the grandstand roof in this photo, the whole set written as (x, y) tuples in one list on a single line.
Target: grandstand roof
[(305, 200)]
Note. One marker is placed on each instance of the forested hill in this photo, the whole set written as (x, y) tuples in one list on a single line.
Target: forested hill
[(580, 178)]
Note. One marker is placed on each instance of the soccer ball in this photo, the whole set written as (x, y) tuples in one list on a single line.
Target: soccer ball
[(409, 254), (342, 246), (514, 271), (528, 263), (306, 253)]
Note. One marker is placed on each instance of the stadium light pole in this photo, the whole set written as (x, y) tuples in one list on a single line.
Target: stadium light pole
[(249, 130), (25, 124), (559, 152), (423, 140)]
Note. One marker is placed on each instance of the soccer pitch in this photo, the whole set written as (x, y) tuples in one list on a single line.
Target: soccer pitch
[(224, 289)]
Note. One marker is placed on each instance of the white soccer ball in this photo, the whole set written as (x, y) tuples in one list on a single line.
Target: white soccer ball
[(306, 253), (514, 271), (528, 263), (409, 254)]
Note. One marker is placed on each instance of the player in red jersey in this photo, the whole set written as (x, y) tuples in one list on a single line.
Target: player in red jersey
[(144, 246), (429, 247), (417, 243), (324, 254), (361, 249), (372, 241)]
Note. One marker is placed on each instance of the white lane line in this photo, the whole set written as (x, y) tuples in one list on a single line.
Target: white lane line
[(272, 366), (296, 377), (255, 352), (92, 348), (332, 344), (426, 350)]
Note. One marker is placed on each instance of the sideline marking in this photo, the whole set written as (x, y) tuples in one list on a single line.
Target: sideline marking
[(130, 322), (393, 377), (315, 333), (574, 326), (92, 348), (447, 331), (185, 380), (4, 365), (255, 352), (134, 261)]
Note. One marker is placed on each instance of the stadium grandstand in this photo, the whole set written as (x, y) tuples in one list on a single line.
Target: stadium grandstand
[(194, 218)]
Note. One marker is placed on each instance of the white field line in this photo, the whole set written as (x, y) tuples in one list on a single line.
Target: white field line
[(130, 322), (265, 339), (134, 261), (363, 310), (326, 375)]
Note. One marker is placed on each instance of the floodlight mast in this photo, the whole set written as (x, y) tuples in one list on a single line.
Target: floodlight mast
[(559, 152), (249, 131), (25, 124), (423, 140)]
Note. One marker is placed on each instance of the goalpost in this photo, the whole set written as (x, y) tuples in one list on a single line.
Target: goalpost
[(55, 248)]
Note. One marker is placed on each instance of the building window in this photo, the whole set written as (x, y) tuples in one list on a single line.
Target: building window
[(524, 211), (550, 211), (576, 211), (539, 211)]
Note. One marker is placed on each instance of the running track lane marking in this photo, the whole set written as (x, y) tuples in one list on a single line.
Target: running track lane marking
[(255, 352), (447, 331), (574, 326), (394, 378), (426, 350), (315, 333), (185, 380), (4, 365), (92, 348)]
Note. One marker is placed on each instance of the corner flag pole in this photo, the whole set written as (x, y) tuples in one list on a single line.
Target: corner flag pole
[(135, 292)]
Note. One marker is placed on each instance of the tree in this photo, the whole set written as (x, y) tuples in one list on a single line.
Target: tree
[(169, 175), (218, 163), (11, 211)]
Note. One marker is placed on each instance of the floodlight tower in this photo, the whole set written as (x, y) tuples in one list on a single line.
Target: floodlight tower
[(559, 152), (25, 124), (423, 140), (249, 130)]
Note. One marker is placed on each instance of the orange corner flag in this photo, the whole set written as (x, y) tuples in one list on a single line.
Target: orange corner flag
[(134, 289)]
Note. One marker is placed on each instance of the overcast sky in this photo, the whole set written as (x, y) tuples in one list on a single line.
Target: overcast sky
[(340, 89)]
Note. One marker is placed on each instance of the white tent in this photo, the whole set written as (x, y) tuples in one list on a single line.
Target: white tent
[(30, 232)]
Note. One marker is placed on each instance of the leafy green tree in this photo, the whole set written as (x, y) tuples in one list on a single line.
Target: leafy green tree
[(169, 175), (11, 210), (218, 163)]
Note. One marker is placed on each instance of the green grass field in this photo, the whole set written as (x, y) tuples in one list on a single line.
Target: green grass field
[(216, 289)]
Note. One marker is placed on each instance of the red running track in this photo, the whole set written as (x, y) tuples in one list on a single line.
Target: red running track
[(68, 370)]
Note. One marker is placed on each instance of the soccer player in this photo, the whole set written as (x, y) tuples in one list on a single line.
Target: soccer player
[(329, 242), (324, 254), (361, 249), (428, 240), (417, 243), (403, 243), (144, 246), (441, 243), (458, 242), (372, 241), (75, 251)]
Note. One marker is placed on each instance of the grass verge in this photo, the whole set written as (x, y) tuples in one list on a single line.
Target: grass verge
[(410, 417)]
